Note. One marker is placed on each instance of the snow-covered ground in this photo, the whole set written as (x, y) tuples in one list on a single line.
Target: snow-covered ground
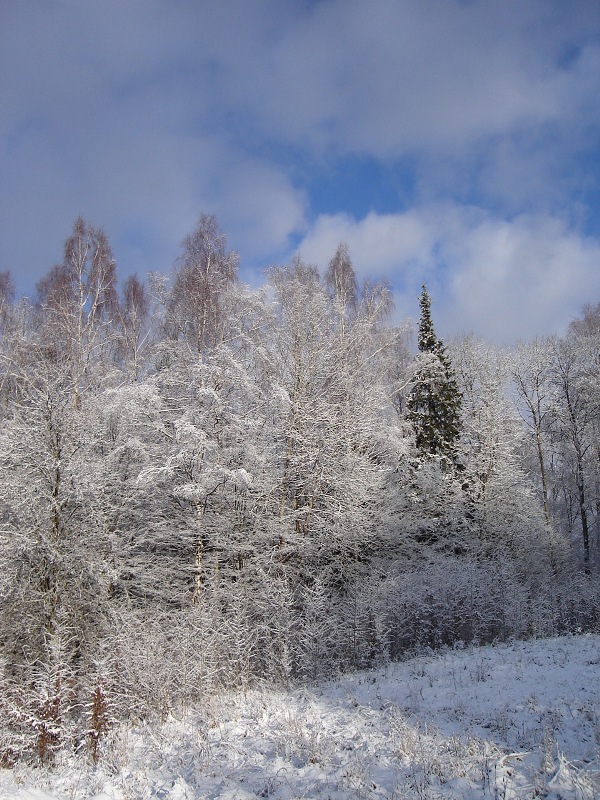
[(512, 721)]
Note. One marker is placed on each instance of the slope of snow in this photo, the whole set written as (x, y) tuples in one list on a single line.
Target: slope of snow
[(511, 721)]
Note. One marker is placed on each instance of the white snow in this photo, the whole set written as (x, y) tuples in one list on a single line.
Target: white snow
[(510, 721)]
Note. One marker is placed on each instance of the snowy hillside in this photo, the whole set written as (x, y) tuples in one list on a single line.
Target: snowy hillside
[(511, 721)]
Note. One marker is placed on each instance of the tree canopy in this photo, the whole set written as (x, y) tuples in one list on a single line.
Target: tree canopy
[(434, 402)]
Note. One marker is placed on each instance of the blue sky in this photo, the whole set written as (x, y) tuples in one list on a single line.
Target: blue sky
[(455, 142)]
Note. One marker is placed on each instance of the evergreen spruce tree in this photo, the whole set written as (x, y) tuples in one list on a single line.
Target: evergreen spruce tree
[(434, 402)]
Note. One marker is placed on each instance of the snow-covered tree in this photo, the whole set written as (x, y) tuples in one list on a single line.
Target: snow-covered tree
[(79, 304), (506, 514), (341, 283), (531, 372), (573, 424), (328, 429), (434, 400), (205, 269), (134, 330)]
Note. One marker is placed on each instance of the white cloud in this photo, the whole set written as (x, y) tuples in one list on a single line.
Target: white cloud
[(379, 244), (139, 115), (391, 77), (515, 279), (110, 111), (501, 279)]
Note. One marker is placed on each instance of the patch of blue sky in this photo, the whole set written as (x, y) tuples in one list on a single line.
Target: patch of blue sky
[(358, 186)]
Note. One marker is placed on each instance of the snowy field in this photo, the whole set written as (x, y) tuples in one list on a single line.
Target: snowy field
[(511, 721)]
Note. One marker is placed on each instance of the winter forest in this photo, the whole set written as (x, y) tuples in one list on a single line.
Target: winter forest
[(209, 486)]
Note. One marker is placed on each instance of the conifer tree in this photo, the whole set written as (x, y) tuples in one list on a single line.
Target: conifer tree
[(434, 402)]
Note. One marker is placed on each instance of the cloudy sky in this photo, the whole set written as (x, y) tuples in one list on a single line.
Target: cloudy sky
[(452, 142)]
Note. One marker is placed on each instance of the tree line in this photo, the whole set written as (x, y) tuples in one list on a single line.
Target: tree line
[(206, 485)]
